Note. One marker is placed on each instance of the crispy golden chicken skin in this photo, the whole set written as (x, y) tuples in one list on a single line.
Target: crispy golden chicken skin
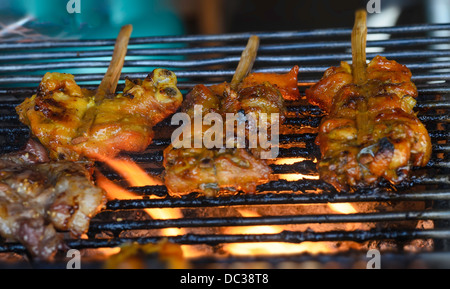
[(39, 198), (235, 169), (71, 124), (393, 140)]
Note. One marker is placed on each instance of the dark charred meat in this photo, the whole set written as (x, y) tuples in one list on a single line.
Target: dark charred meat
[(234, 169), (384, 140), (39, 198), (72, 123)]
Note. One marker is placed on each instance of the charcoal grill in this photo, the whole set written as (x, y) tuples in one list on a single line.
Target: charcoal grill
[(211, 59)]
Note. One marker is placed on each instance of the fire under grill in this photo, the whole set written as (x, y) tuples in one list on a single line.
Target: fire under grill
[(412, 218)]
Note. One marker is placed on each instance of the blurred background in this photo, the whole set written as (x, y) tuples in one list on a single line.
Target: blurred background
[(102, 18)]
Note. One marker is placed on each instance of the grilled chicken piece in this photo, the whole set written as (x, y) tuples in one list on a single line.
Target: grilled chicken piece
[(39, 198), (383, 141), (210, 170), (72, 123)]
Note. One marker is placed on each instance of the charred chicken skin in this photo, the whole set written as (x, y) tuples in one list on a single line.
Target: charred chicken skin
[(384, 140), (72, 123), (234, 169), (39, 198)]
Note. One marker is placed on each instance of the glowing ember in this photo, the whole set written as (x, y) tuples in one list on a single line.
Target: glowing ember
[(272, 248), (343, 208), (295, 177), (289, 161)]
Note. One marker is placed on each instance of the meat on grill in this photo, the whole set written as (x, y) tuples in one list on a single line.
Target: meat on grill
[(210, 170), (384, 140), (39, 198), (73, 123)]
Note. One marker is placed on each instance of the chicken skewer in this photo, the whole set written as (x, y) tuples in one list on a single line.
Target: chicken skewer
[(371, 131), (210, 170), (74, 123)]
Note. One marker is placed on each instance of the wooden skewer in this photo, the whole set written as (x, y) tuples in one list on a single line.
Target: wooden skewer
[(247, 61), (109, 83), (359, 42), (112, 76)]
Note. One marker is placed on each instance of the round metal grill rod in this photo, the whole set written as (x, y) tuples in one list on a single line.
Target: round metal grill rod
[(235, 59), (423, 88), (435, 135), (278, 199), (269, 220), (219, 49), (286, 237), (81, 78)]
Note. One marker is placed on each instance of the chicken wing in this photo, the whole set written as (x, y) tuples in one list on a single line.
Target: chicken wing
[(234, 169), (71, 124)]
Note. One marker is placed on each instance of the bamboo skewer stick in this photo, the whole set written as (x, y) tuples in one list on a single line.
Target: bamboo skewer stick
[(109, 83), (247, 61), (359, 42), (112, 76)]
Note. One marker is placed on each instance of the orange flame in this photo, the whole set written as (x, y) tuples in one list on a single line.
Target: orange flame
[(114, 191), (132, 173), (136, 177), (294, 177), (271, 248), (343, 208)]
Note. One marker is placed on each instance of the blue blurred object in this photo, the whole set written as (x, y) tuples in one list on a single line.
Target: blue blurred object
[(39, 20), (99, 19)]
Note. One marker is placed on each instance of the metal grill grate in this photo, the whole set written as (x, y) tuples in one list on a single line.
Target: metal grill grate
[(212, 59)]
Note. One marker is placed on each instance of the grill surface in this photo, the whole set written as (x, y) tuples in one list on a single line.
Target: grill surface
[(212, 59)]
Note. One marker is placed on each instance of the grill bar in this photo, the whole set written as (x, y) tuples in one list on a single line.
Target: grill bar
[(423, 89), (435, 135), (278, 199), (284, 237), (291, 107), (117, 227), (201, 73), (309, 121), (221, 49), (196, 63)]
